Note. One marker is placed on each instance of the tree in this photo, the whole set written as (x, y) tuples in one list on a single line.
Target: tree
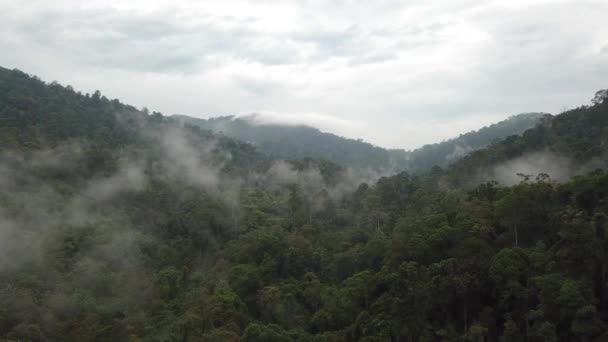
[(600, 97), (512, 333), (272, 333), (245, 280)]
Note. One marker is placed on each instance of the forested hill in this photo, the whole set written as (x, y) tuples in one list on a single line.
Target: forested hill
[(121, 225), (447, 152), (299, 141), (294, 142), (35, 115), (574, 142)]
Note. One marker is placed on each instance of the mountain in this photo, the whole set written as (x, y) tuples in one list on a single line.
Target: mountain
[(294, 142), (121, 225), (449, 151), (574, 142)]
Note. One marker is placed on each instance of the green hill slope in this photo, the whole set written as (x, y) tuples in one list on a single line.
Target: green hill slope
[(118, 225), (563, 145), (294, 142)]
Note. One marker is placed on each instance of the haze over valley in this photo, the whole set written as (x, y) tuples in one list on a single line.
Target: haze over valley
[(285, 171)]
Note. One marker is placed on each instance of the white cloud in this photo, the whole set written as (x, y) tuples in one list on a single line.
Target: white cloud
[(406, 72), (327, 123)]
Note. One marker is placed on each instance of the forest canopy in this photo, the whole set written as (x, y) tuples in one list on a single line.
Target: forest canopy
[(117, 224)]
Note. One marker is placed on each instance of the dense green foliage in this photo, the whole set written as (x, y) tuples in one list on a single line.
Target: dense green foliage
[(580, 134), (446, 152), (295, 142), (36, 115), (117, 225)]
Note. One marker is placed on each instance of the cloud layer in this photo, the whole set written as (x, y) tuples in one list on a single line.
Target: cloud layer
[(396, 73)]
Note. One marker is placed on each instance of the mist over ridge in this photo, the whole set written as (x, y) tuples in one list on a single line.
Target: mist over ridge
[(297, 140), (303, 171), (118, 224)]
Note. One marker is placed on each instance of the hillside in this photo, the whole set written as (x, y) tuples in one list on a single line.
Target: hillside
[(449, 151), (35, 115), (574, 142), (294, 142), (121, 225)]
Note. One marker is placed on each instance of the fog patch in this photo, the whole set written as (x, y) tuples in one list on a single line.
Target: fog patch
[(37, 206), (559, 168), (459, 152), (312, 183), (130, 177), (319, 121), (183, 161)]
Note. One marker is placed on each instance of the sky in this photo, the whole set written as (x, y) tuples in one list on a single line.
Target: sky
[(394, 73)]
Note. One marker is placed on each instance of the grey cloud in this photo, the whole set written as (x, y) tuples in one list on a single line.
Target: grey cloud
[(164, 42), (389, 63), (107, 38), (117, 39), (258, 86), (359, 45), (337, 42)]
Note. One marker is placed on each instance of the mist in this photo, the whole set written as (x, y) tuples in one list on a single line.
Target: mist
[(558, 167)]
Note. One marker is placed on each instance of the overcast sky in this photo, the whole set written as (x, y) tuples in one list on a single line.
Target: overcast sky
[(394, 73)]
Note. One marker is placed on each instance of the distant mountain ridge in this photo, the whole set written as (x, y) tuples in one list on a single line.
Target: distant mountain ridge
[(121, 225), (301, 141), (571, 143), (446, 152), (295, 142)]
